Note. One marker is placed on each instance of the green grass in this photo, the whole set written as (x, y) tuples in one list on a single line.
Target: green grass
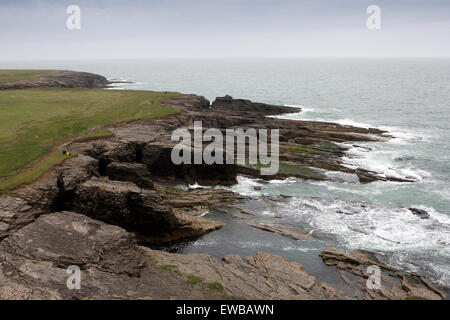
[(34, 121), (168, 268), (7, 76), (412, 280), (34, 171), (100, 132), (194, 279), (299, 170), (215, 286), (327, 146), (301, 148)]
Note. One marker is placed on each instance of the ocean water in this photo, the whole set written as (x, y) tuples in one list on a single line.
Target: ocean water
[(410, 98)]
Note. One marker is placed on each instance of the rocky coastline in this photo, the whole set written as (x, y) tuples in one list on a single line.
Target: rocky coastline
[(98, 209), (61, 79)]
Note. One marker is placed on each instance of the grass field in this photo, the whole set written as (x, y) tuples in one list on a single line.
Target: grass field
[(34, 121), (7, 76)]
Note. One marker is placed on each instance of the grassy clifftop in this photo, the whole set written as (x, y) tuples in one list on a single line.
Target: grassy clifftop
[(8, 76), (34, 121)]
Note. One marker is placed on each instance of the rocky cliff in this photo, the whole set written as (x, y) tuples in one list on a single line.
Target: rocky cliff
[(63, 79), (95, 209)]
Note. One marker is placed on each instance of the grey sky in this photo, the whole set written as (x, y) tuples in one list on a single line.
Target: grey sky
[(36, 29)]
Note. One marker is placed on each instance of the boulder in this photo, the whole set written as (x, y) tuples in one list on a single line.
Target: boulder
[(227, 103), (124, 204), (129, 171), (422, 214), (137, 210), (158, 158), (34, 264)]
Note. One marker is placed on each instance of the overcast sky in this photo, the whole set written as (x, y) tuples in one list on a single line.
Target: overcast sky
[(36, 29)]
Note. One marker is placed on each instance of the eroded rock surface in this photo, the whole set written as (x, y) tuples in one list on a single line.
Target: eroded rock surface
[(34, 262), (134, 172), (263, 276), (353, 269), (35, 258), (138, 210)]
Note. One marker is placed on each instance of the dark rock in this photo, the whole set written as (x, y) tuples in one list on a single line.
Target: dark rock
[(190, 102), (291, 232), (113, 250), (227, 104), (158, 159), (132, 172), (422, 214), (124, 204), (137, 210)]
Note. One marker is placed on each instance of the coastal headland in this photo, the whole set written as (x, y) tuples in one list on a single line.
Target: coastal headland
[(119, 191)]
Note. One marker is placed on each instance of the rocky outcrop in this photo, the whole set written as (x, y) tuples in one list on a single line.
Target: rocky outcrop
[(134, 172), (34, 261), (422, 214), (125, 181), (63, 79), (307, 148), (263, 276), (34, 264), (394, 284), (54, 191), (229, 105), (138, 210), (196, 202), (123, 204), (287, 231), (190, 102), (158, 159)]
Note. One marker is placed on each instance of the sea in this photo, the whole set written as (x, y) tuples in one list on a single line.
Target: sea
[(409, 98)]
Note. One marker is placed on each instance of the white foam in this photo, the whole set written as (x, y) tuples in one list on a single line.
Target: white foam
[(284, 181), (343, 187), (300, 249), (382, 164), (117, 79), (198, 186), (246, 186), (374, 227), (342, 177), (401, 137), (374, 158), (115, 88), (304, 109), (350, 122)]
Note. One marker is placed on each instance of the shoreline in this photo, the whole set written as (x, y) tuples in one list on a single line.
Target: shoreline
[(132, 165)]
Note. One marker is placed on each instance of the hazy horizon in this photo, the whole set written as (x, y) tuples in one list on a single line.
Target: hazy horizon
[(137, 29)]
